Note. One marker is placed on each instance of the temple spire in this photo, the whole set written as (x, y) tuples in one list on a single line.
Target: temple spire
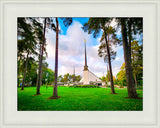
[(85, 66)]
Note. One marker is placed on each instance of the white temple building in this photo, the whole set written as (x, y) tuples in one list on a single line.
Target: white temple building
[(88, 77)]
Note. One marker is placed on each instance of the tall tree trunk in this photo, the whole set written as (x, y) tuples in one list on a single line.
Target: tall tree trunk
[(110, 66), (41, 67), (41, 59), (107, 66), (39, 64), (55, 92), (130, 38), (37, 80), (129, 75), (25, 71)]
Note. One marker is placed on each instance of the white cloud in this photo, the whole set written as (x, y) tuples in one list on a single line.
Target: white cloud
[(50, 41), (95, 63), (113, 23), (71, 52), (117, 59)]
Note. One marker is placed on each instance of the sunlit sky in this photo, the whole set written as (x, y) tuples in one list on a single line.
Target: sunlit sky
[(71, 50)]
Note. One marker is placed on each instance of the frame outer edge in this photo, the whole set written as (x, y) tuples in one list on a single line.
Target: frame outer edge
[(70, 1)]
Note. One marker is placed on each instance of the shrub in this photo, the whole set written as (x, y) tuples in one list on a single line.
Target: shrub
[(139, 88), (45, 85), (108, 86), (84, 86), (121, 86), (62, 86)]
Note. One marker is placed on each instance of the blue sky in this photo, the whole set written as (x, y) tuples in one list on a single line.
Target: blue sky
[(71, 50), (64, 29)]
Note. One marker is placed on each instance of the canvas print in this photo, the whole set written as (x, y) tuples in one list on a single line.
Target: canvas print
[(80, 64)]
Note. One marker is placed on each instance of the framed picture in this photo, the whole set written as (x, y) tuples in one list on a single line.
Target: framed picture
[(14, 109)]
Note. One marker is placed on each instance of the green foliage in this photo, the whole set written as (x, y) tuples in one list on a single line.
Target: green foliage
[(78, 99), (31, 77), (108, 76), (77, 78), (27, 51), (67, 21), (95, 25), (32, 41), (137, 61), (113, 41), (103, 79), (133, 25), (84, 86), (108, 86), (60, 78), (116, 82), (139, 87), (48, 76), (68, 78), (121, 76), (137, 66), (26, 37)]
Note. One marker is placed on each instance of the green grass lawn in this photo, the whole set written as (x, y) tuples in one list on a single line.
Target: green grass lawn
[(78, 99)]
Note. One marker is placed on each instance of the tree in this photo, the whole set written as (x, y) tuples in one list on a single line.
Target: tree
[(66, 22), (128, 26), (66, 78), (32, 73), (103, 78), (48, 23), (137, 60), (38, 26), (95, 25), (77, 78), (108, 76), (126, 47), (121, 76), (55, 92), (41, 57), (114, 78), (137, 64), (60, 78), (113, 42), (26, 43), (47, 77)]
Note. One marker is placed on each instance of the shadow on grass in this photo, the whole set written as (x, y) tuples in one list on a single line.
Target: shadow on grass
[(37, 94), (54, 97), (134, 98), (113, 93)]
